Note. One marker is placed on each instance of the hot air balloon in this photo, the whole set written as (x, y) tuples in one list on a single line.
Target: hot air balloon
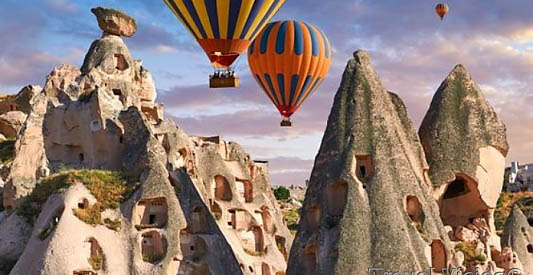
[(224, 29), (442, 9), (289, 60)]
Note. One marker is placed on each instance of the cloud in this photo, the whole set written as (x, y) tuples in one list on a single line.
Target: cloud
[(412, 51), (156, 38), (23, 57), (284, 165), (201, 98), (62, 6), (290, 178), (31, 67), (248, 124)]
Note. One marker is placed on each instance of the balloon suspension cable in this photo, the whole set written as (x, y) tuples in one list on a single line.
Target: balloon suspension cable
[(236, 64)]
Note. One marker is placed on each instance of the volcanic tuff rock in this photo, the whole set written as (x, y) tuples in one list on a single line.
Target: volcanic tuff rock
[(14, 110), (462, 134), (190, 205), (368, 203), (11, 123), (518, 235), (20, 102), (115, 22), (465, 145)]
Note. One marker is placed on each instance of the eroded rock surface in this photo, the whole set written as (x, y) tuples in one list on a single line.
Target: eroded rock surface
[(465, 144), (464, 141), (368, 203), (11, 123), (199, 205), (517, 238)]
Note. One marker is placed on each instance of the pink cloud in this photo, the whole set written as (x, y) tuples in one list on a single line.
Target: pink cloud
[(31, 67)]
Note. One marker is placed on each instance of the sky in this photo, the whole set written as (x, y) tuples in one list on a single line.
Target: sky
[(412, 50)]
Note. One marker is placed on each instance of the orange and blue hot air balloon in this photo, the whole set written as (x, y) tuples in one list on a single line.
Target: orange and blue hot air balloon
[(289, 60), (224, 28), (442, 9)]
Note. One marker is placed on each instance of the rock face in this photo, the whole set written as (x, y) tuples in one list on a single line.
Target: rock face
[(115, 22), (465, 145), (199, 205), (14, 110), (517, 236), (464, 141), (368, 203), (11, 123)]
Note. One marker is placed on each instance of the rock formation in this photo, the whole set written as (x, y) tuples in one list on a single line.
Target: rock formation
[(517, 238), (101, 183), (11, 123), (368, 202), (13, 111), (115, 22), (465, 145)]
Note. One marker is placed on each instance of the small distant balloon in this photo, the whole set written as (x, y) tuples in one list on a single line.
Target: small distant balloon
[(442, 9)]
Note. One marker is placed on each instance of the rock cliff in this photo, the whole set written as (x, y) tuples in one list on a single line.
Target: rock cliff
[(368, 202), (465, 144), (101, 183)]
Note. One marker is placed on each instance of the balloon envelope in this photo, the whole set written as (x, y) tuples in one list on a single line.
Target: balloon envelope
[(224, 28), (289, 60), (442, 9)]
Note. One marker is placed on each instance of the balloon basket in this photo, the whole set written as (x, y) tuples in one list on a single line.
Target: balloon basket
[(286, 123), (224, 81)]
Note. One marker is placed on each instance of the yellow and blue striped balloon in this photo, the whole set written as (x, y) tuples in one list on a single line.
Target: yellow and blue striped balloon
[(224, 28), (289, 60)]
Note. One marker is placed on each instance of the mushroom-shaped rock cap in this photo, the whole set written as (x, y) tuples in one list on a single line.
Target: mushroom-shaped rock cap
[(115, 22)]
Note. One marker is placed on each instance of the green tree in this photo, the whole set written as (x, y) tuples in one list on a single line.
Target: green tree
[(282, 193)]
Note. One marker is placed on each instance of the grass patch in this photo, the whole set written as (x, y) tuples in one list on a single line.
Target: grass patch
[(44, 232), (469, 251), (152, 258), (419, 226), (291, 217), (7, 151), (97, 261), (140, 227), (254, 253), (91, 215), (114, 225), (110, 188), (505, 204)]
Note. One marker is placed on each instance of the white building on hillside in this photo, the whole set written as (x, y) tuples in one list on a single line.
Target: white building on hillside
[(519, 177)]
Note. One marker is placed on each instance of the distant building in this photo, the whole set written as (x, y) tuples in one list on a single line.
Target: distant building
[(519, 177)]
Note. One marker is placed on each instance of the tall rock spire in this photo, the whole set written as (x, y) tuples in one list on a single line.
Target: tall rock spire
[(517, 236), (368, 204), (458, 124), (465, 142), (465, 145)]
